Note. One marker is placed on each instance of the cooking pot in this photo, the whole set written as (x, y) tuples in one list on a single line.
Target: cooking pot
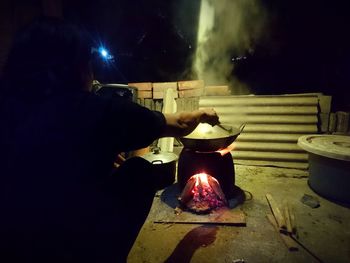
[(163, 167), (207, 138)]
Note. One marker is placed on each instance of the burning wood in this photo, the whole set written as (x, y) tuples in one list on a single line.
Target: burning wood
[(202, 193)]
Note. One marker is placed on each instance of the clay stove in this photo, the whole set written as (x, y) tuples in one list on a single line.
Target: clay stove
[(195, 167)]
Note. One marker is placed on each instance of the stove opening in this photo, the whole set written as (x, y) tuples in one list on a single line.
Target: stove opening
[(202, 193)]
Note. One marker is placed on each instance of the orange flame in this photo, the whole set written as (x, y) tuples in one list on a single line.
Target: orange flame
[(202, 193), (201, 178), (227, 149)]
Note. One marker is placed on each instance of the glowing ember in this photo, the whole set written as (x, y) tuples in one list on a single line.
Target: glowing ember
[(202, 193), (227, 149)]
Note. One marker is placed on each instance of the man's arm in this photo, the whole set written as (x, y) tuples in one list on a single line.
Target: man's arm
[(183, 123)]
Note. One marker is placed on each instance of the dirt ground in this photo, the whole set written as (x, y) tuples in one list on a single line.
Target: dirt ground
[(324, 232)]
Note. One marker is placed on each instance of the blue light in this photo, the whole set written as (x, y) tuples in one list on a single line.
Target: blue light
[(103, 52)]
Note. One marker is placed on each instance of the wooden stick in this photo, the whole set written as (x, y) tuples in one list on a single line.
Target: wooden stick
[(276, 213), (287, 240), (287, 217), (293, 222)]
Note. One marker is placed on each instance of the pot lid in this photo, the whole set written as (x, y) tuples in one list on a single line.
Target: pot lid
[(206, 131), (331, 146), (158, 157)]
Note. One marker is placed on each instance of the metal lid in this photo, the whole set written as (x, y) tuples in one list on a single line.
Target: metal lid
[(331, 146), (158, 157)]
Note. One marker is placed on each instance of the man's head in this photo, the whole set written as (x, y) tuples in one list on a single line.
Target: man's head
[(49, 54)]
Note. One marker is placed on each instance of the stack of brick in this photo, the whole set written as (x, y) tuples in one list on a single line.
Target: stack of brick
[(191, 88), (182, 89), (144, 89), (159, 89)]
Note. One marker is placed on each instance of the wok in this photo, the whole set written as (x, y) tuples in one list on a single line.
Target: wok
[(207, 138)]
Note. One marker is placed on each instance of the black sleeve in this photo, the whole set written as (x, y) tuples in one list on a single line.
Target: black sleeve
[(134, 126)]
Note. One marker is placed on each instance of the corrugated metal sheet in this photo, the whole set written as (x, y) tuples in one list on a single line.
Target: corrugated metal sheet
[(273, 125)]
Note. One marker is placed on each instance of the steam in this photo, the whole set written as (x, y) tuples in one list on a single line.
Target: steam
[(226, 28)]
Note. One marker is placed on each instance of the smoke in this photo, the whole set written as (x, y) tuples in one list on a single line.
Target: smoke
[(227, 29)]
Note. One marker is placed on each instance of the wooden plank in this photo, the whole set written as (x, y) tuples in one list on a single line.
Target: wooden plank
[(276, 212), (223, 216)]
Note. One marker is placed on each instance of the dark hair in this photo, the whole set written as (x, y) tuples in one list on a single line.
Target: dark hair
[(47, 55)]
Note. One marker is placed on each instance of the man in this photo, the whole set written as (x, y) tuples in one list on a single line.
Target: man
[(60, 198)]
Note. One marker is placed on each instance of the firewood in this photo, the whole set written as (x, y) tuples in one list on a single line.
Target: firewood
[(276, 213)]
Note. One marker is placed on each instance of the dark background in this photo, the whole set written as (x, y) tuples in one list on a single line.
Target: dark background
[(305, 49)]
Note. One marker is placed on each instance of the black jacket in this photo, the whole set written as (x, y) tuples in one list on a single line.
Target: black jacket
[(57, 155)]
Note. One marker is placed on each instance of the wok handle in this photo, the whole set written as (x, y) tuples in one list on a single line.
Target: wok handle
[(224, 128), (241, 127)]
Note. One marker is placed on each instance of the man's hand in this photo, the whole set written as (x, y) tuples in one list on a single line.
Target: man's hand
[(183, 123), (209, 116)]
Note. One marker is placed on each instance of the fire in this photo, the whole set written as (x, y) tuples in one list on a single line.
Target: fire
[(202, 178), (202, 193), (227, 149)]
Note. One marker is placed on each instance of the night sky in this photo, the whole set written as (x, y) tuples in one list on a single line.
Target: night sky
[(305, 47)]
